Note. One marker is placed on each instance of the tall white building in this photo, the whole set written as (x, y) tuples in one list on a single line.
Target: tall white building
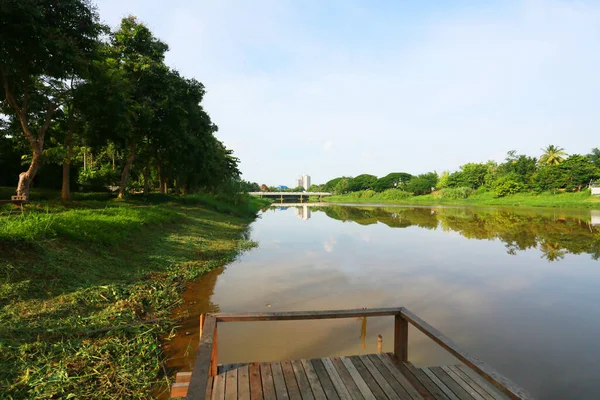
[(304, 181)]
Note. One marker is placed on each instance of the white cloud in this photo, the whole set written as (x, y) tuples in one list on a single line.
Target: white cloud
[(327, 145)]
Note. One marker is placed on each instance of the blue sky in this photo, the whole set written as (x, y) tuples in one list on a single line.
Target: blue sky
[(333, 88)]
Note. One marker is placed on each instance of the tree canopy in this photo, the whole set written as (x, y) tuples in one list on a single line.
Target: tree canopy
[(101, 105)]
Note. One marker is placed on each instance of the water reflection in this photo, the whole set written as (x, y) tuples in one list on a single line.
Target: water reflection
[(302, 212), (555, 233), (518, 288)]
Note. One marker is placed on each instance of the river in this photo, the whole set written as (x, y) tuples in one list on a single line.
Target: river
[(519, 289)]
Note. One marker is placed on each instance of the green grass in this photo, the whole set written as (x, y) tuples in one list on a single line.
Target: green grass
[(564, 200), (69, 270)]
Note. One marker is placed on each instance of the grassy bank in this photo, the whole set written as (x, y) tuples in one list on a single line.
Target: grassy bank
[(86, 288), (565, 200)]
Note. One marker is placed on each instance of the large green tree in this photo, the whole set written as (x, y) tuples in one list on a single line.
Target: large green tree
[(392, 180), (362, 182), (42, 43)]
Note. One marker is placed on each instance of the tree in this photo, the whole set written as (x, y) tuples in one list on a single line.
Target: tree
[(342, 186), (522, 166), (140, 58), (553, 155), (392, 180), (594, 156), (42, 44), (472, 175), (577, 171), (423, 184), (362, 182)]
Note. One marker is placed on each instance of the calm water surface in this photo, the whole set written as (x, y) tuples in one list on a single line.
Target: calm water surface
[(519, 289)]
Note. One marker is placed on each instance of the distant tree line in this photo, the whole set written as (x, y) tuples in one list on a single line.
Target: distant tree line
[(553, 171), (84, 105)]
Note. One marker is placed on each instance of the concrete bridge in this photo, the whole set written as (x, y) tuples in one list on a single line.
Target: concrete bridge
[(281, 196)]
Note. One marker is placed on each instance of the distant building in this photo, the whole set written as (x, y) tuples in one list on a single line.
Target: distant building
[(282, 187), (304, 181)]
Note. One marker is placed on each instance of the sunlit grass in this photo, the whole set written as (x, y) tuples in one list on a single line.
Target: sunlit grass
[(70, 273)]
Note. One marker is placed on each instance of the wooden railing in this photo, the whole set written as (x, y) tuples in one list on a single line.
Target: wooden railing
[(205, 366)]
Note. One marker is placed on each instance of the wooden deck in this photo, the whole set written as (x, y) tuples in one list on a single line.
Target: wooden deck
[(374, 376)]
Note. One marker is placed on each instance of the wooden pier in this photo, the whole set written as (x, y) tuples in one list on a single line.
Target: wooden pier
[(372, 376)]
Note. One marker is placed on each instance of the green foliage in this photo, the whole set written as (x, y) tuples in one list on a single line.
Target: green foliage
[(422, 184), (394, 194), (507, 185), (553, 155), (522, 166), (362, 182), (454, 193), (394, 180), (471, 175), (342, 186)]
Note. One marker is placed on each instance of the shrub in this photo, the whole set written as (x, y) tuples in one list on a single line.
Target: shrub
[(507, 185), (394, 194), (367, 194), (455, 193)]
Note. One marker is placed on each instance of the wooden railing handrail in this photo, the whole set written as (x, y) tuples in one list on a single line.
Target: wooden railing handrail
[(206, 359), (304, 315), (504, 384)]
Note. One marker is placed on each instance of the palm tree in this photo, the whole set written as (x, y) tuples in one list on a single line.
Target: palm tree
[(553, 155)]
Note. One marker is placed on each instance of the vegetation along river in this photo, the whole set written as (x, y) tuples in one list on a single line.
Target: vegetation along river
[(517, 288)]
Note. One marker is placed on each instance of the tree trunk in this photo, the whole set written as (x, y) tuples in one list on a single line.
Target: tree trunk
[(125, 173), (65, 194), (25, 178), (161, 185), (184, 189), (146, 181), (177, 187)]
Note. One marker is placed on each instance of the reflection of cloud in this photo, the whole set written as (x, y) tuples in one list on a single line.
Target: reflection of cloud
[(329, 244)]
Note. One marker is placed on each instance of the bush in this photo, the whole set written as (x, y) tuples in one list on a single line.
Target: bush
[(455, 193), (394, 194), (507, 185)]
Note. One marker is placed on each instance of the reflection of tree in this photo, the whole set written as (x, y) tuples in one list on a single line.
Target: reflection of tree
[(554, 235), (552, 251)]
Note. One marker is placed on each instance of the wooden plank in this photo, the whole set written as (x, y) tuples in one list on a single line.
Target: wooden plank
[(303, 315), (406, 384), (389, 377), (218, 392), (302, 380), (256, 392), (385, 386), (290, 381), (460, 392), (358, 379), (313, 380), (231, 384), (368, 378), (243, 383), (347, 378), (491, 390), (476, 386), (199, 387), (505, 385), (325, 380), (336, 379), (462, 383), (268, 385), (433, 391), (400, 338), (279, 381), (447, 391)]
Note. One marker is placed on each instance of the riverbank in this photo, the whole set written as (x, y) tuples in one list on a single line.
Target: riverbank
[(561, 200), (87, 288)]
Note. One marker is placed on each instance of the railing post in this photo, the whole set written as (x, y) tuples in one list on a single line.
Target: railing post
[(214, 356), (400, 338), (379, 344)]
